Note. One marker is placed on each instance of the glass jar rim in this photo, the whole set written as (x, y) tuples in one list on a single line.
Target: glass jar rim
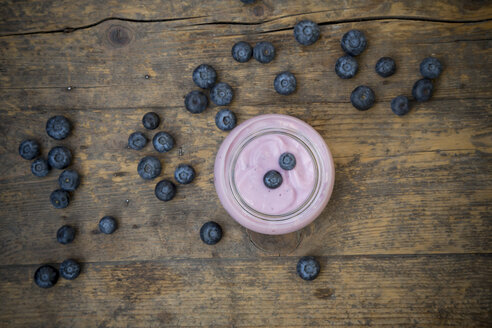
[(222, 172)]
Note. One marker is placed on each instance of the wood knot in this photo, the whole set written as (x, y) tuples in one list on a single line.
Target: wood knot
[(258, 11), (324, 293), (119, 36)]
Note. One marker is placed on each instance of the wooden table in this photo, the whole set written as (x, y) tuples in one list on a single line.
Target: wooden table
[(406, 239)]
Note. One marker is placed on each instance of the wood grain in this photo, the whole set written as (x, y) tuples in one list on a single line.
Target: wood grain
[(404, 241), (28, 16), (412, 291)]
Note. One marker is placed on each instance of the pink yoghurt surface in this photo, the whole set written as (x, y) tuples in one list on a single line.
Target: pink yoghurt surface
[(262, 155)]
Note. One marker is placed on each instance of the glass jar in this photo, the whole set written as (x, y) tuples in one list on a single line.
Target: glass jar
[(251, 149)]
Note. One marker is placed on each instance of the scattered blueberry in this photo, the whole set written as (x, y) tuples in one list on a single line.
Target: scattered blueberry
[(184, 174), (385, 66), (29, 149), (362, 97), (287, 161), (65, 235), (163, 142), (69, 269), (272, 179), (400, 105), (354, 42), (205, 76), (346, 67), (285, 83), (422, 90), (69, 180), (264, 52), (211, 233), (308, 268), (225, 120), (40, 167), (107, 225), (221, 94), (165, 190), (59, 157), (196, 102), (60, 198), (430, 68), (46, 276), (242, 52), (306, 32), (151, 121), (58, 127), (137, 140), (149, 168), (247, 1)]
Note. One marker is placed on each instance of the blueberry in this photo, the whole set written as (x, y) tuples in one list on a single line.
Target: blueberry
[(184, 174), (149, 168), (422, 90), (137, 140), (400, 105), (59, 157), (247, 1), (306, 32), (242, 52), (264, 52), (362, 97), (287, 161), (65, 235), (308, 268), (346, 67), (272, 179), (225, 120), (29, 149), (69, 269), (196, 102), (163, 142), (165, 190), (151, 121), (211, 233), (354, 42), (107, 225), (385, 66), (40, 167), (58, 127), (285, 83), (205, 76), (46, 276), (221, 94), (69, 180), (60, 198), (430, 68)]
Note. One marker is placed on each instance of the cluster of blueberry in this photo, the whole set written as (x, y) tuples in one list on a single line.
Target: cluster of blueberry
[(354, 43), (59, 157), (150, 167), (57, 127), (221, 93), (273, 179), (46, 275)]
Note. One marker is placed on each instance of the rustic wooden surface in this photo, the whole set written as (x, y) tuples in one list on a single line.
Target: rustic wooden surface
[(405, 240)]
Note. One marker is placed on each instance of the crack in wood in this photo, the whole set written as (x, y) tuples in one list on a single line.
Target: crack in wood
[(333, 22)]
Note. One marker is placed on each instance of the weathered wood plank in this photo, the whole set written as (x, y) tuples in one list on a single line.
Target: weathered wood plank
[(41, 15), (418, 184), (424, 291), (102, 74)]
